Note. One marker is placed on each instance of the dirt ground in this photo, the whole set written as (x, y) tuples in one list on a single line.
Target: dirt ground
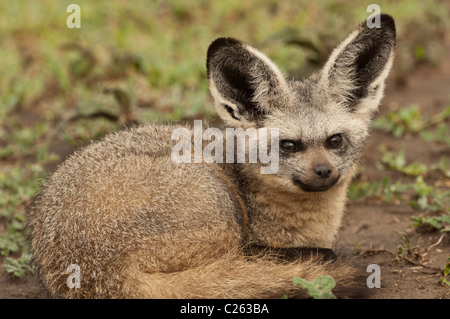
[(375, 226), (371, 228)]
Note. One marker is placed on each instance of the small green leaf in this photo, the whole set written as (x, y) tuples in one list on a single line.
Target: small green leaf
[(319, 288), (324, 283), (12, 266), (326, 295)]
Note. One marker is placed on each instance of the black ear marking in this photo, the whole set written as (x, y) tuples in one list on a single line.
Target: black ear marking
[(215, 47), (231, 111), (241, 85), (244, 80), (362, 61)]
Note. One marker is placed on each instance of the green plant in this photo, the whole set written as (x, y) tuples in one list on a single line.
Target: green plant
[(384, 190), (12, 240), (17, 267), (445, 279), (429, 198), (398, 162), (408, 247), (437, 222), (443, 165), (441, 134), (319, 288), (401, 121), (17, 186), (410, 120)]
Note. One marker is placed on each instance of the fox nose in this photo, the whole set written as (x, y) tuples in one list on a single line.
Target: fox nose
[(323, 171)]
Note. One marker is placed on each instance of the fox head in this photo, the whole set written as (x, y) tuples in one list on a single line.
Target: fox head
[(323, 121)]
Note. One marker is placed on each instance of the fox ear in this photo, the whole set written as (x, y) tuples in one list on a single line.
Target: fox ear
[(355, 73), (245, 84)]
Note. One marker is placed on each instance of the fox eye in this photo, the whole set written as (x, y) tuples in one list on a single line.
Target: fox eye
[(335, 141), (290, 146)]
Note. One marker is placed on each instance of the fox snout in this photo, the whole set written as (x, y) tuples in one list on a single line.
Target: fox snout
[(319, 178)]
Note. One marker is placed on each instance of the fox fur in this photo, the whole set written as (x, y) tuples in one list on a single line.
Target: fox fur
[(139, 225)]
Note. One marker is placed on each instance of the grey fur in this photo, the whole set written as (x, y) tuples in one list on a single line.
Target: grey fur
[(140, 226)]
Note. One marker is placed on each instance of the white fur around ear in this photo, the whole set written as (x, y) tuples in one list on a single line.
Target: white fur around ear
[(324, 79), (226, 109), (280, 79)]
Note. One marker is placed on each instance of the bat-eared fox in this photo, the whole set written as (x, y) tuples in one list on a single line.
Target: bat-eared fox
[(134, 223)]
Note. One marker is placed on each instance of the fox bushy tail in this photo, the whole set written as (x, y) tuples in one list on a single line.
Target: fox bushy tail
[(235, 276)]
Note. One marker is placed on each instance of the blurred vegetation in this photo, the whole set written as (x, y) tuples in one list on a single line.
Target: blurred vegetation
[(145, 60)]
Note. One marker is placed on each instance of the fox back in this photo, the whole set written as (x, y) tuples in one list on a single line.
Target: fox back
[(139, 225)]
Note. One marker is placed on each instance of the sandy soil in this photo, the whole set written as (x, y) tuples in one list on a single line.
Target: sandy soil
[(371, 228)]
